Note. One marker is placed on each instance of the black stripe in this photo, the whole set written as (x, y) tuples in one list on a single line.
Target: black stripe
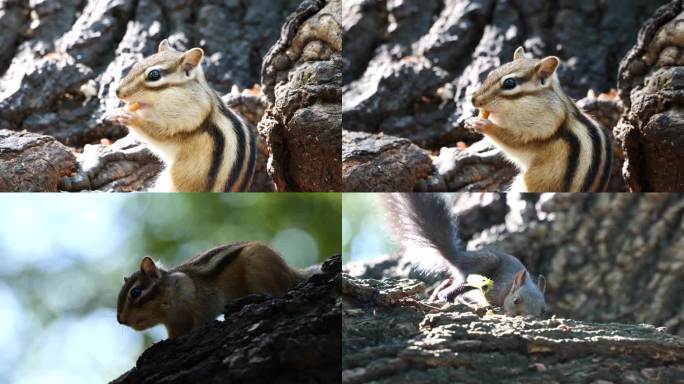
[(252, 161), (573, 155), (205, 257), (217, 152), (592, 129), (123, 294), (240, 155), (608, 147), (149, 295), (227, 259)]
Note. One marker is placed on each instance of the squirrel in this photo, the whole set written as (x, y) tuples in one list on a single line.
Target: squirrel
[(428, 233), (556, 146), (195, 292), (204, 145)]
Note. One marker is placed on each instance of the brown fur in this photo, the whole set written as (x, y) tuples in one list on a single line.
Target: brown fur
[(177, 115), (537, 126), (195, 292)]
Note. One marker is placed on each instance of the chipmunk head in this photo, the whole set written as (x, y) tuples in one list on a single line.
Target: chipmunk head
[(169, 85), (526, 297), (522, 90), (516, 80), (141, 303)]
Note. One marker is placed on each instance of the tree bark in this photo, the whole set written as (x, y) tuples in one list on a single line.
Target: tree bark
[(392, 336), (302, 77), (32, 162), (650, 130)]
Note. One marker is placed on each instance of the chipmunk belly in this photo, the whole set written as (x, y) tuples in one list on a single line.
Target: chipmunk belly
[(521, 157), (166, 150), (189, 168)]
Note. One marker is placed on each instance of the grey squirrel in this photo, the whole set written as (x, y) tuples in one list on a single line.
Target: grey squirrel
[(428, 233)]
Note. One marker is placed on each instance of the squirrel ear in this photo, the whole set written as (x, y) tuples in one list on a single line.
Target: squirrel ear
[(541, 283), (163, 46), (547, 66), (191, 59), (519, 53), (149, 268), (519, 279)]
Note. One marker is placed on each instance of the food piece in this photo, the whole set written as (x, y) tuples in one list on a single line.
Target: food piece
[(484, 114), (134, 107)]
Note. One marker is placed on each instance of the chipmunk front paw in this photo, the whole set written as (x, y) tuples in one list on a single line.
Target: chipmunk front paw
[(124, 117), (478, 124)]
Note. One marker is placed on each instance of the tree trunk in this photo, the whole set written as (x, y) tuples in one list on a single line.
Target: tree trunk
[(650, 130), (302, 76)]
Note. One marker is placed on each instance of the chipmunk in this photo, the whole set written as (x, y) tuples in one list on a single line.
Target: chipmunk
[(539, 128), (428, 233), (204, 145), (195, 292)]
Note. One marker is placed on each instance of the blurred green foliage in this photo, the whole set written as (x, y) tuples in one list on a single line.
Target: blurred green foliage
[(364, 227), (174, 227)]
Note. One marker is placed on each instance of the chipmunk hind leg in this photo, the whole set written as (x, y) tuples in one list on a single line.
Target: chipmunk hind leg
[(266, 272)]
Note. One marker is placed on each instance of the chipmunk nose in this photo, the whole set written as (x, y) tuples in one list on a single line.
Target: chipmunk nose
[(120, 319), (118, 92)]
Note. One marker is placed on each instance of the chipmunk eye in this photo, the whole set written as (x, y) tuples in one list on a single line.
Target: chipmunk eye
[(154, 75), (509, 83), (135, 292)]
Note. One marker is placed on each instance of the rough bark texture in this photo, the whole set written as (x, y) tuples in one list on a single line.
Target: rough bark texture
[(60, 60), (32, 162), (379, 163), (652, 85), (293, 339), (606, 258), (411, 65), (390, 335), (302, 76), (123, 166)]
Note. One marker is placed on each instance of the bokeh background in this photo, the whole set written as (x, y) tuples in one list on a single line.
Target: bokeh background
[(63, 259), (364, 231)]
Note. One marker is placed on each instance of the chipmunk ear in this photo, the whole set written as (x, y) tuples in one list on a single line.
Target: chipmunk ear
[(547, 66), (149, 268), (519, 279), (164, 46), (519, 53), (191, 59), (541, 283)]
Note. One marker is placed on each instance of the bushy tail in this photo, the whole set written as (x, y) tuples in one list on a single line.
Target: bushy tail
[(426, 229)]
